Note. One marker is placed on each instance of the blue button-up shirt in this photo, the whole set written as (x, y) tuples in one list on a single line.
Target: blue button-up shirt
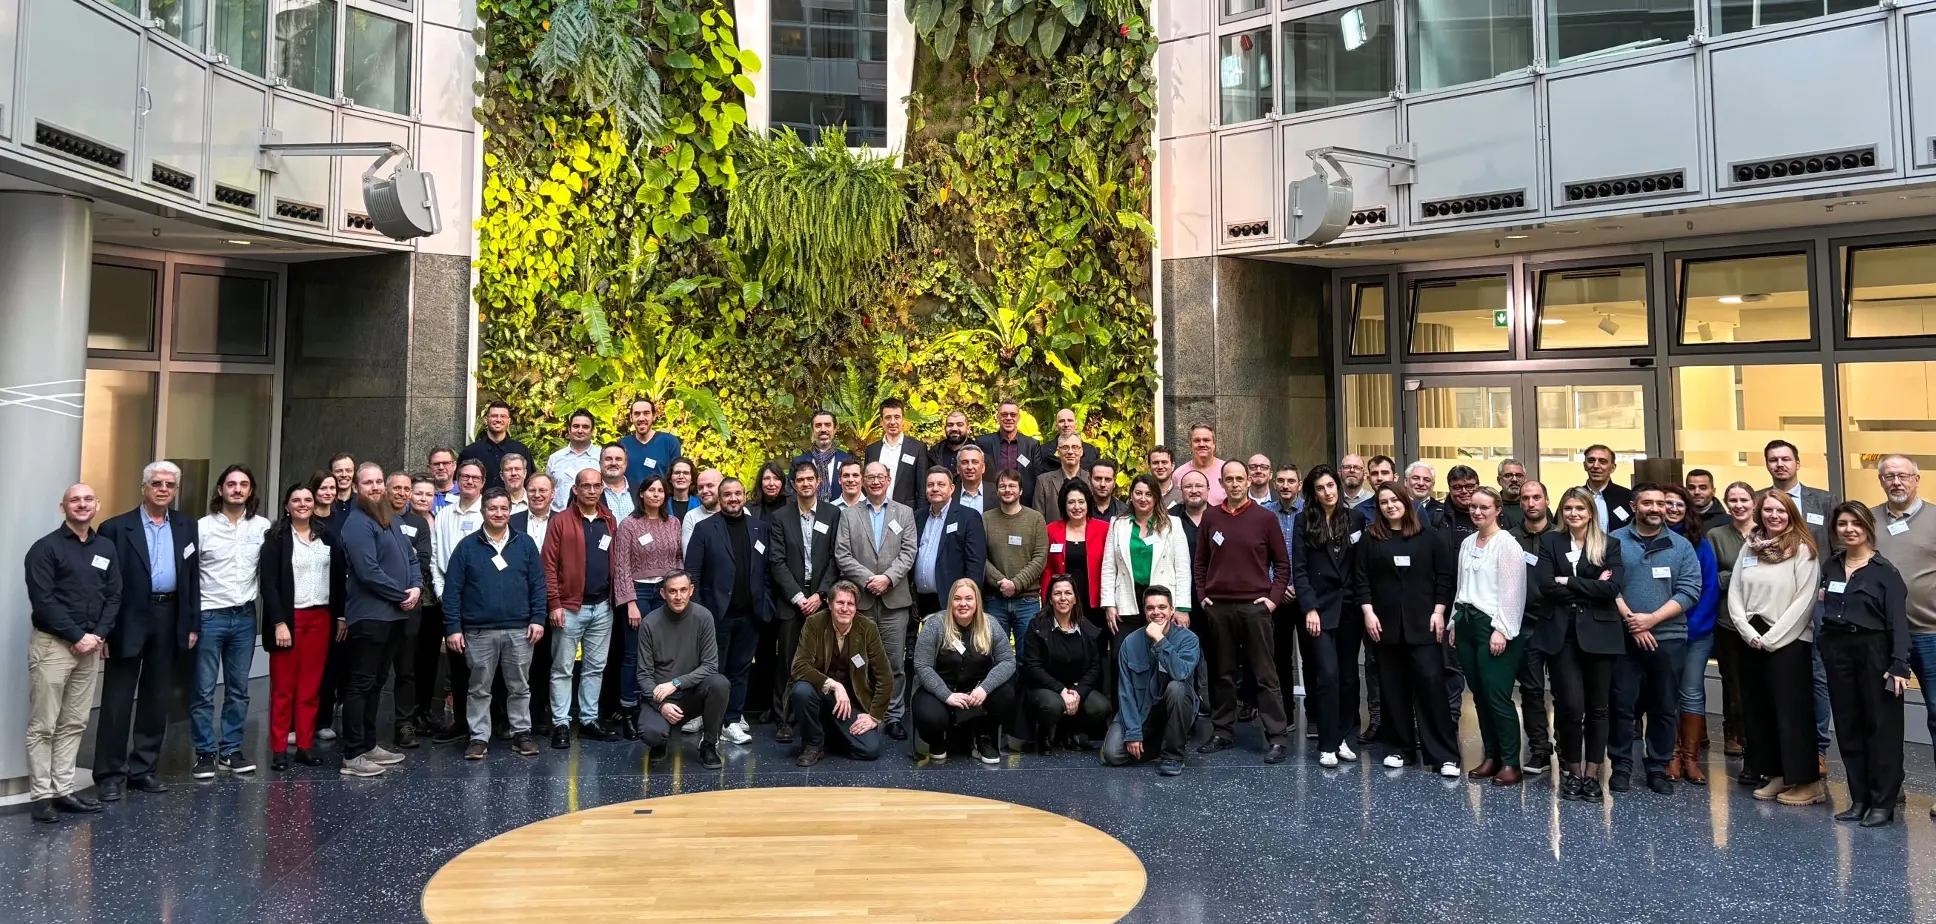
[(161, 554), (930, 550), (1286, 522), (877, 515)]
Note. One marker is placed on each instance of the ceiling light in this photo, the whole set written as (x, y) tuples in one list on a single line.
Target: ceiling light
[(1609, 325), (1552, 321), (238, 243), (1730, 299), (1566, 232), (1515, 237)]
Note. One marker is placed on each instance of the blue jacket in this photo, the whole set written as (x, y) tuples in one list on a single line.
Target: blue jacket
[(1644, 592), (709, 559), (1143, 671), (129, 637), (478, 596), (829, 477), (964, 546), (382, 568), (1700, 620)]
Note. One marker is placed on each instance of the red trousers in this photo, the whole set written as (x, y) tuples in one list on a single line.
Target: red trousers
[(295, 673)]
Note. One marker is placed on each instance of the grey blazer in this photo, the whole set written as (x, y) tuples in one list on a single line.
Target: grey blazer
[(859, 559)]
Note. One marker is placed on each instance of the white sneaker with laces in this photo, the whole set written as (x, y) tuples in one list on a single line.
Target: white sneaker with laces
[(693, 725), (1394, 762), (1449, 771), (325, 733), (383, 758), (1345, 752), (735, 734), (1328, 759)]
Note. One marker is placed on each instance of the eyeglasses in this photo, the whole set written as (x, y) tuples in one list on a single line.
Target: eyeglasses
[(1900, 477), (470, 477), (158, 485)]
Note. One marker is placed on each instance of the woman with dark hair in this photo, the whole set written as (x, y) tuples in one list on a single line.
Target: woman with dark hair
[(1865, 633), (1062, 667), (1077, 542), (1402, 584), (1683, 519), (1147, 546), (1578, 574), (1323, 543), (1772, 602), (645, 550), (1727, 539), (302, 575), (679, 482), (328, 501), (769, 492)]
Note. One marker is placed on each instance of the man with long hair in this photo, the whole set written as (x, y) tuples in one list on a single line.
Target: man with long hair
[(228, 549), (383, 588)]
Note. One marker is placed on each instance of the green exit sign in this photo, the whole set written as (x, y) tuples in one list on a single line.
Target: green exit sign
[(1499, 318)]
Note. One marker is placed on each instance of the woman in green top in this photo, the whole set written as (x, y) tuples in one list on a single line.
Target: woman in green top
[(1727, 539), (1147, 547)]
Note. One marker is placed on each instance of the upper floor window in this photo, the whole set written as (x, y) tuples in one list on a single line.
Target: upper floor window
[(1891, 291), (1759, 299), (376, 61), (186, 20), (1742, 15), (1368, 319), (1592, 308), (1233, 8), (1450, 42), (240, 27), (1469, 315), (828, 67), (1577, 29), (1337, 58), (306, 45), (1244, 73)]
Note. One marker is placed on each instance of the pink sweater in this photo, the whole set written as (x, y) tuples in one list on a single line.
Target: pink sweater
[(644, 550)]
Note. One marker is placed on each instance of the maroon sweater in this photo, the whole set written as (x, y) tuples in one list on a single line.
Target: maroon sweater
[(1240, 568)]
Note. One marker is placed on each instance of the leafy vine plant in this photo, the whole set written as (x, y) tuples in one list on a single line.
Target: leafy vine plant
[(1037, 26)]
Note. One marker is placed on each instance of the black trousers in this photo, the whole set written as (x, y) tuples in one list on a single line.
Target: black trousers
[(1534, 665), (1374, 693), (539, 683), (1868, 718), (424, 650), (1321, 685), (1648, 684), (812, 713), (771, 684), (1243, 630), (945, 727), (1582, 690), (413, 631), (1049, 718), (137, 689), (1778, 696), (329, 694), (1166, 732), (707, 700), (369, 650), (1412, 680), (1351, 642), (1728, 647)]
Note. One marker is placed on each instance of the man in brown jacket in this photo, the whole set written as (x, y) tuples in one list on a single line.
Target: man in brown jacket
[(842, 678), (578, 591)]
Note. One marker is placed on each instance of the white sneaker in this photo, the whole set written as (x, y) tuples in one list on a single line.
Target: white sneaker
[(1328, 759), (292, 737), (1394, 762), (1449, 771), (360, 765), (383, 758), (325, 733), (735, 734), (1345, 752), (693, 725)]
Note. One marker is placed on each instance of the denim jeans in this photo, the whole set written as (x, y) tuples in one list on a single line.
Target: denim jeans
[(590, 628), (1694, 675), (628, 682), (225, 652), (1922, 661), (1013, 615)]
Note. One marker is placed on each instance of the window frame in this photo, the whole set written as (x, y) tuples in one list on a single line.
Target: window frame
[(337, 59), (1409, 285), (1842, 270), (1405, 21), (270, 326), (157, 321), (1350, 287), (1268, 27), (1263, 9), (378, 10), (1300, 10), (1676, 298), (1535, 287)]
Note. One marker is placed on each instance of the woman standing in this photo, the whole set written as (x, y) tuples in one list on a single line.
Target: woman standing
[(679, 496), (770, 497), (1727, 539), (1321, 561), (1578, 575), (1686, 763), (301, 578), (1147, 547), (325, 500), (645, 550), (1865, 650), (963, 667), (1062, 665), (1402, 583), (325, 505), (1772, 600), (1076, 547), (1486, 617)]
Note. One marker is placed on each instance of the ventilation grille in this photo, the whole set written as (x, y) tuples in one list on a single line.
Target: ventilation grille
[(77, 147), (299, 211), (1247, 229), (1627, 187), (357, 221), (1473, 205), (234, 198), (164, 175), (1373, 215), (1802, 167)]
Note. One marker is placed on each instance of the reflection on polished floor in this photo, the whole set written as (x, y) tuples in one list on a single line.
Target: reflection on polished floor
[(1229, 840)]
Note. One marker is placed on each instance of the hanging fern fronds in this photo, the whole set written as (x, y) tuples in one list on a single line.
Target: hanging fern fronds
[(821, 214), (600, 51)]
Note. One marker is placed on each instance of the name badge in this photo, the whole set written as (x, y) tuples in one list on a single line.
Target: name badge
[(1531, 559), (645, 539), (465, 526), (959, 647), (819, 526), (1748, 561), (1663, 572), (1055, 547), (1836, 587), (907, 458), (1620, 514), (894, 526), (1015, 540), (1402, 561), (1814, 519), (858, 661), (1573, 557), (187, 552), (1355, 535), (604, 543), (1024, 460), (100, 563), (951, 527), (651, 463), (1897, 529), (1217, 537), (499, 561), (759, 547), (409, 530)]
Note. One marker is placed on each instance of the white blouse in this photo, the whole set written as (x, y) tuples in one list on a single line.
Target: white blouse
[(1492, 580), (309, 560)]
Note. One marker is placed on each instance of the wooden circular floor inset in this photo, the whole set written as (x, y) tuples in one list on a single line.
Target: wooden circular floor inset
[(793, 854)]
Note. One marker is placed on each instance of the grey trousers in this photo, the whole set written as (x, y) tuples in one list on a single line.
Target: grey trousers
[(893, 624), (486, 651), (60, 694)]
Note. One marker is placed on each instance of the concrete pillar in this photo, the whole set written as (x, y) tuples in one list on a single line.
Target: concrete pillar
[(46, 246)]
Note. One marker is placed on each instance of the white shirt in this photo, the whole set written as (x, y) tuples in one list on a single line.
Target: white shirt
[(229, 554), (563, 467), (535, 528), (694, 517), (520, 505), (891, 457), (309, 561), (1492, 580), (453, 523)]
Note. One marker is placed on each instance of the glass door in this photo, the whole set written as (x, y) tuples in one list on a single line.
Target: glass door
[(1572, 411), (1545, 421), (1462, 420)]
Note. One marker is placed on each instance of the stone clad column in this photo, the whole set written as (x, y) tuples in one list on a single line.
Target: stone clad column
[(46, 247)]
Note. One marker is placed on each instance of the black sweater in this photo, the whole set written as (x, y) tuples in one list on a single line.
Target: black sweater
[(1404, 578), (1057, 660), (277, 577)]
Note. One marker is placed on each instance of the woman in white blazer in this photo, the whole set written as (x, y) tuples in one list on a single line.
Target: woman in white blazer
[(1146, 547)]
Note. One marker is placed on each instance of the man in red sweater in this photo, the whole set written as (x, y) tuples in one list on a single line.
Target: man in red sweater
[(1242, 570)]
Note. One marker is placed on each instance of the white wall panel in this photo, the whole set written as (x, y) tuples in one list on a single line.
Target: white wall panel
[(1476, 143), (1806, 93), (174, 130), (1178, 18), (457, 14), (1185, 229), (1366, 131), (1186, 88), (83, 74), (9, 41), (1921, 31), (1249, 190), (450, 157), (447, 73), (1621, 122), (236, 112), (302, 179), (349, 170)]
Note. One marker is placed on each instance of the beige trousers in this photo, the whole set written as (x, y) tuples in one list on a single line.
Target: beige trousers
[(60, 693)]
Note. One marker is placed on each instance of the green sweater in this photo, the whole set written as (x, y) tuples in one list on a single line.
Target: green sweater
[(1018, 548)]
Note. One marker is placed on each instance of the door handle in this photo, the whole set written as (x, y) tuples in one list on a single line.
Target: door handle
[(147, 101)]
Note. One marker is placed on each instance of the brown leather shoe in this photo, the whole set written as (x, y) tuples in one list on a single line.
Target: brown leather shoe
[(1486, 770), (1694, 733), (1821, 767), (1507, 776)]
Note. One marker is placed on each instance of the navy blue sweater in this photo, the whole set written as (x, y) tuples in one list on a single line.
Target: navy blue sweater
[(382, 568), (479, 596)]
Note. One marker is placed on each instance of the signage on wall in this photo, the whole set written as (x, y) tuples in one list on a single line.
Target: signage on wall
[(1499, 318)]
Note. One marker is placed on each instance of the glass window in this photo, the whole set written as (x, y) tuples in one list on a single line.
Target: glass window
[(117, 436), (376, 62), (1724, 415), (240, 33), (1471, 315), (1592, 309), (1573, 417), (1450, 42), (216, 419), (1465, 425), (1892, 291), (1244, 73), (132, 7), (1338, 58), (1577, 29), (1886, 408), (222, 315), (1368, 427), (1746, 300), (1368, 319), (1741, 15), (184, 19), (121, 308), (1240, 7), (306, 45), (829, 68)]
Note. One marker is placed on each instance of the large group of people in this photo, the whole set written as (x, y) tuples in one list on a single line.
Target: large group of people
[(987, 594)]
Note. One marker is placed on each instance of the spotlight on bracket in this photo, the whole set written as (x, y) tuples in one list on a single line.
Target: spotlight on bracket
[(402, 206), (1320, 204)]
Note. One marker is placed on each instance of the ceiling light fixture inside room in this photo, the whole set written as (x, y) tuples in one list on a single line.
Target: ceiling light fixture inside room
[(1552, 322), (1516, 237), (239, 243), (1608, 324)]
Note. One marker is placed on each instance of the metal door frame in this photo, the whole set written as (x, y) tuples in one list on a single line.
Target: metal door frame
[(1525, 409)]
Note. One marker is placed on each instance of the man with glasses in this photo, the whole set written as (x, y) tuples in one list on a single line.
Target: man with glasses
[(1258, 471), (443, 473), (578, 588), (1512, 479), (511, 473), (158, 619), (1612, 504), (1008, 448), (1455, 514), (1908, 540), (1351, 479), (875, 549)]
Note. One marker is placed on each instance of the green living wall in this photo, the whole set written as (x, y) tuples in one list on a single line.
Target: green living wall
[(637, 238)]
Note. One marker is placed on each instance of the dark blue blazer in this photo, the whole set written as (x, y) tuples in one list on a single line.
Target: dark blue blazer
[(709, 559), (964, 545), (132, 625)]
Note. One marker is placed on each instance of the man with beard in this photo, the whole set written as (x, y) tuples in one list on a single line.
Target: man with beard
[(1162, 467), (954, 435), (1546, 636), (1351, 480), (1662, 582), (1512, 479)]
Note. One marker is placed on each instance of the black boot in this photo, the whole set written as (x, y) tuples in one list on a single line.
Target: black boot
[(628, 723)]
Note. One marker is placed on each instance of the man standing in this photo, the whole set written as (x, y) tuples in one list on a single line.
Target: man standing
[(1662, 582), (678, 661), (906, 459), (578, 589), (1612, 504), (228, 547), (1908, 540), (382, 589), (849, 484), (443, 470), (1287, 497), (1203, 459), (1065, 424), (1162, 467), (707, 487), (578, 454), (418, 702), (159, 619), (456, 523), (1047, 497), (1008, 448), (800, 559), (1351, 477), (495, 444), (1512, 480), (1455, 514), (1018, 549), (950, 544), (727, 561), (512, 470), (1244, 571), (1102, 484), (876, 549), (611, 470), (973, 493), (494, 611), (1258, 470), (1421, 481), (954, 435), (1700, 487), (841, 679), (1379, 471), (1546, 636), (342, 470), (532, 523), (1784, 465), (647, 451), (74, 591), (826, 456), (1196, 500), (1157, 702)]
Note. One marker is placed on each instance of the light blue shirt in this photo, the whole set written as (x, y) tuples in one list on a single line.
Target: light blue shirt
[(930, 550), (877, 516), (976, 501), (161, 554), (620, 502)]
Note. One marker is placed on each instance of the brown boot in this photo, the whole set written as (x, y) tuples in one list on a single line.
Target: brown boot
[(1680, 751), (1693, 732)]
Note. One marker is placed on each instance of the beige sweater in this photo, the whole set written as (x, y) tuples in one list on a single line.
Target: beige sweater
[(1781, 594)]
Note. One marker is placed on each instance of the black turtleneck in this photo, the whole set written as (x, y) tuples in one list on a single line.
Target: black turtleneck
[(739, 535)]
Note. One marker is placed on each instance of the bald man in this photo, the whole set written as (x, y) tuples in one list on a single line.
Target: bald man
[(1065, 422), (74, 591), (706, 487)]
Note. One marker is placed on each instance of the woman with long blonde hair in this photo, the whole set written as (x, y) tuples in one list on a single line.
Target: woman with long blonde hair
[(1578, 574), (1772, 602), (964, 668)]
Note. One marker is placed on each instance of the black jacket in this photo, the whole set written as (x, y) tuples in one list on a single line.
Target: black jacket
[(132, 626), (1584, 604), (786, 563), (1404, 595), (910, 471), (277, 579), (1037, 676), (1619, 506), (492, 455), (1026, 447), (710, 561), (1321, 576)]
